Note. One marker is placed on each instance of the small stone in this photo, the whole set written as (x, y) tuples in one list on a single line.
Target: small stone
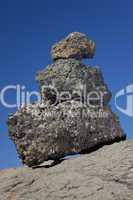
[(75, 45)]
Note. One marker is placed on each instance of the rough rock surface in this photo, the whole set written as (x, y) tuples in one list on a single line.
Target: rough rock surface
[(106, 174), (75, 45), (43, 132), (71, 76), (72, 121)]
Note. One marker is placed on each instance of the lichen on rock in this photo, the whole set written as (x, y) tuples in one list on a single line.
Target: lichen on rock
[(76, 45), (66, 121)]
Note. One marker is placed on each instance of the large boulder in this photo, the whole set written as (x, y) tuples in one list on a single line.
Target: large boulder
[(43, 132), (106, 174), (75, 45)]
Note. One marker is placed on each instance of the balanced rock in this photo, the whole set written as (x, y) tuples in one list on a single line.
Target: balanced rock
[(74, 115), (75, 45)]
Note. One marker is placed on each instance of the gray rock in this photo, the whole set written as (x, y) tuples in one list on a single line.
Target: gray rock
[(73, 77), (43, 132), (74, 115), (75, 45), (106, 174)]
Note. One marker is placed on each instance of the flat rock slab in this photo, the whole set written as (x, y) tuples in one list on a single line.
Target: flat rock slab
[(106, 174)]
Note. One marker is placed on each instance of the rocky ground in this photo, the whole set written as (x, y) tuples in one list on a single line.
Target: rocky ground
[(106, 174)]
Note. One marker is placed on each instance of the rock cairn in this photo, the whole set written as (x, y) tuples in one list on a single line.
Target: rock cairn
[(74, 115)]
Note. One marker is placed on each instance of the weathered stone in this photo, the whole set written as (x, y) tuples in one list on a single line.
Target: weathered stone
[(75, 45), (71, 77), (43, 132), (106, 174), (72, 121)]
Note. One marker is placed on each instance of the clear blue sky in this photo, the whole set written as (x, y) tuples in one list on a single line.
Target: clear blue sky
[(28, 28)]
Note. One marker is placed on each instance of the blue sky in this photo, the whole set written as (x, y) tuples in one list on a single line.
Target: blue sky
[(29, 28)]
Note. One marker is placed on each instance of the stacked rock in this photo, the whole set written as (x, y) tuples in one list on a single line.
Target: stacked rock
[(74, 115)]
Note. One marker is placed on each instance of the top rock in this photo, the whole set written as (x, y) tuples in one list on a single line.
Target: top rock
[(75, 45)]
